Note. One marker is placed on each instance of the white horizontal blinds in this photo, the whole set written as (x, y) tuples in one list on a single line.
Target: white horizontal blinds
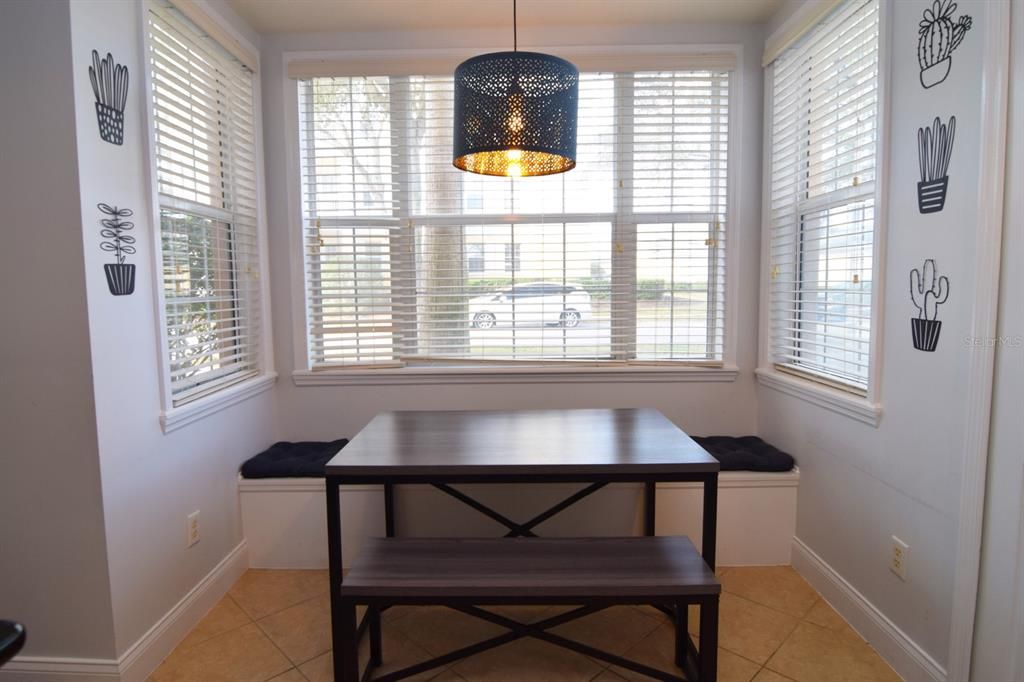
[(204, 118), (822, 183), (679, 161), (409, 260)]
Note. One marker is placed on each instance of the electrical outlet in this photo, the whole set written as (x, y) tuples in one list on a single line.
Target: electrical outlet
[(192, 529), (898, 558)]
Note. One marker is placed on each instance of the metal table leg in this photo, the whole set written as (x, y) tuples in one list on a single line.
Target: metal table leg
[(340, 615), (710, 520)]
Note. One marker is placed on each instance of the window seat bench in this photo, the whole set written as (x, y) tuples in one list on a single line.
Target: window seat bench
[(284, 519)]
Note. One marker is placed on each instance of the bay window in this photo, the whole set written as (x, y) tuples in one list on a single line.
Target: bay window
[(409, 261)]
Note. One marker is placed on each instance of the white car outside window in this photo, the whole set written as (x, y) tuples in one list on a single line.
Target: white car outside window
[(531, 304)]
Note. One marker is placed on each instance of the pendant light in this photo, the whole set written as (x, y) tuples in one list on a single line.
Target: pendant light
[(515, 113)]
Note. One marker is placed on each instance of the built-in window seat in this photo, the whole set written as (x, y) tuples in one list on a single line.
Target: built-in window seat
[(284, 518)]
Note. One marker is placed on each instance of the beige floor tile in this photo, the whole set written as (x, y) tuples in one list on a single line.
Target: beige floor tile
[(608, 676), (527, 659), (241, 655), (399, 652), (658, 651), (302, 631), (292, 675), (824, 615), (654, 613), (815, 654), (224, 616), (615, 630), (319, 669), (753, 631), (778, 587), (733, 668), (263, 592), (767, 675), (439, 629)]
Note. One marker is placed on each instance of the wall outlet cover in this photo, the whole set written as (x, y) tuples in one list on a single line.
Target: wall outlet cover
[(898, 558)]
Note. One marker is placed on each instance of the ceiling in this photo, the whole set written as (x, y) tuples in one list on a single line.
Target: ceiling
[(287, 16)]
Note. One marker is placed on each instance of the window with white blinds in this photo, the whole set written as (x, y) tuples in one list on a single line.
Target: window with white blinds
[(410, 261), (824, 133), (204, 131)]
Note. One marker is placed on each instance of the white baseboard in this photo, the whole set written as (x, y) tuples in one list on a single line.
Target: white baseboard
[(905, 656), (143, 657), (54, 669)]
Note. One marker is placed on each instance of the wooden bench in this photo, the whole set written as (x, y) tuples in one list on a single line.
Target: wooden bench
[(464, 574)]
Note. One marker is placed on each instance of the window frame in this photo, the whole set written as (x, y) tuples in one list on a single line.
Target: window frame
[(866, 406), (683, 57), (173, 417)]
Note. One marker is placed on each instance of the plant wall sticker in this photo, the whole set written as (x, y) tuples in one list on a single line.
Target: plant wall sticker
[(120, 275), (927, 291), (934, 149), (110, 86), (938, 36)]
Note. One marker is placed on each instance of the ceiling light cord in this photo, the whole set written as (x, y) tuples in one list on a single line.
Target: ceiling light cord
[(515, 28)]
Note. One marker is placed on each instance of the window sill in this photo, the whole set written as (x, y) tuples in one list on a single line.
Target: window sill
[(424, 376), (832, 399), (177, 417)]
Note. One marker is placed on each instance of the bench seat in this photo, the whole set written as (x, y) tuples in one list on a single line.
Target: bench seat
[(481, 569), (464, 573)]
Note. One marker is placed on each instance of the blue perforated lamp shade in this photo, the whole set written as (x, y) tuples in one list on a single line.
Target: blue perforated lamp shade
[(515, 114)]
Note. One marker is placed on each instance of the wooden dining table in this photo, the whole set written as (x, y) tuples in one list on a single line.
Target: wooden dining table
[(592, 447)]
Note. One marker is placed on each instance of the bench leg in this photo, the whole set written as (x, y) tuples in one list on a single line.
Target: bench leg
[(346, 649), (709, 639), (376, 653), (679, 619)]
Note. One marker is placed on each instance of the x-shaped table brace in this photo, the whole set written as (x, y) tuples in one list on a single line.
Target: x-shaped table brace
[(686, 654), (520, 529)]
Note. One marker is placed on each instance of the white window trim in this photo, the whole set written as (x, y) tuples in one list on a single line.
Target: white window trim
[(171, 417), (667, 371), (868, 408)]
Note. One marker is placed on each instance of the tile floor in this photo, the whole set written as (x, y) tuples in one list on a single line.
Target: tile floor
[(275, 626)]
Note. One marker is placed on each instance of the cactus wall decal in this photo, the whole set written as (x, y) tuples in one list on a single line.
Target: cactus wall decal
[(120, 275), (938, 36), (934, 149), (927, 290), (110, 86)]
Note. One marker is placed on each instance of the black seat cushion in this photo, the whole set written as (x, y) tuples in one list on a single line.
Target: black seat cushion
[(745, 453), (292, 460)]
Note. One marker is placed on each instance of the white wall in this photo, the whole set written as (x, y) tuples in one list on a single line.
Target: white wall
[(52, 546), (860, 485), (999, 626), (330, 412), (151, 481)]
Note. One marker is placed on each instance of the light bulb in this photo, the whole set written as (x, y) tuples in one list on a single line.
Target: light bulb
[(514, 170), (514, 154)]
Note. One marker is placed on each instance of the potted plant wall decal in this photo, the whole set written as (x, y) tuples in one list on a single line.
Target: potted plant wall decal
[(927, 291), (938, 36), (110, 86), (934, 149), (120, 275)]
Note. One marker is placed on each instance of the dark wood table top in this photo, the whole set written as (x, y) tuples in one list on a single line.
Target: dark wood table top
[(521, 442), (529, 567)]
